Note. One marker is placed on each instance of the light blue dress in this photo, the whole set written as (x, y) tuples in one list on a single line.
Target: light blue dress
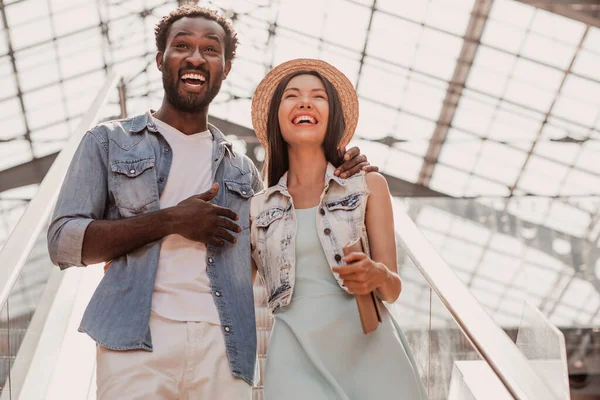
[(317, 348)]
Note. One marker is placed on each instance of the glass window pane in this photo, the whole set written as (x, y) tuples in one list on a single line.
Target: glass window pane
[(14, 153), (586, 64), (557, 27), (337, 29), (512, 12), (74, 18), (30, 33), (8, 88), (409, 9), (548, 51)]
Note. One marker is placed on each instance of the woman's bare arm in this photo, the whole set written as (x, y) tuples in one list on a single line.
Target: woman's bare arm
[(362, 274), (382, 241)]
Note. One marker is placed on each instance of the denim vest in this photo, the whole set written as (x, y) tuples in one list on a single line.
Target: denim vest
[(120, 170), (340, 219)]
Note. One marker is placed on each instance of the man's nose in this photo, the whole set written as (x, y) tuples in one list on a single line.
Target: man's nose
[(196, 59)]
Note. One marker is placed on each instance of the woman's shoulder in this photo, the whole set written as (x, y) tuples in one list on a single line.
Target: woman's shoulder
[(376, 183)]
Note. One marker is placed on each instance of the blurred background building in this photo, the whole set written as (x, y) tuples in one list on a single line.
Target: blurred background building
[(484, 115)]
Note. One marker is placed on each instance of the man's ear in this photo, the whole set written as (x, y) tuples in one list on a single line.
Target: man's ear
[(159, 60), (227, 68)]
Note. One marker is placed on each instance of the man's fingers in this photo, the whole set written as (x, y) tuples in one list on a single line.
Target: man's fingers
[(224, 235), (228, 224), (370, 168), (210, 193), (214, 241), (353, 166), (227, 212), (350, 154)]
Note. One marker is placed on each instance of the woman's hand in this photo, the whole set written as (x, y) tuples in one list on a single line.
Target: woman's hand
[(361, 275)]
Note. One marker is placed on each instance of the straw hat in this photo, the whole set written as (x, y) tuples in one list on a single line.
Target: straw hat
[(264, 93)]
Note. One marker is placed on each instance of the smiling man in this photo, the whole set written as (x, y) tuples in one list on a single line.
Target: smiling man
[(165, 201)]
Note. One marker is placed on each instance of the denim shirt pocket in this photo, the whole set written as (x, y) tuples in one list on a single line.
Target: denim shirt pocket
[(346, 209), (133, 184), (239, 193)]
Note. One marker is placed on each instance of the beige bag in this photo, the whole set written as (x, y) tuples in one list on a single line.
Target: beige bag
[(368, 304)]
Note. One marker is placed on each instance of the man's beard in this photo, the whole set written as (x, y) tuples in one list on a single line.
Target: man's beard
[(192, 102)]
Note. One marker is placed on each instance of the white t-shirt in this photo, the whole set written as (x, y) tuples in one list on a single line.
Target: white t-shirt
[(182, 288)]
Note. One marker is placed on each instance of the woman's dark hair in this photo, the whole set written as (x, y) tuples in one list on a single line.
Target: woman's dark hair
[(276, 160)]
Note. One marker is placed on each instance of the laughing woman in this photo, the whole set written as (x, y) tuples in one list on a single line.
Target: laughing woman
[(304, 112)]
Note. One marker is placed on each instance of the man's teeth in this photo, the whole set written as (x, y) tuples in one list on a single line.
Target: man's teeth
[(304, 118), (198, 77)]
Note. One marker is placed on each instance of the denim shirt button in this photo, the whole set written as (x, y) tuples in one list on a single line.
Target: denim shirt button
[(167, 150), (132, 171), (218, 294), (227, 329), (161, 179), (210, 260)]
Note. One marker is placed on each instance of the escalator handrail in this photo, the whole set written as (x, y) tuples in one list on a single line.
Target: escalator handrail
[(17, 248), (490, 341)]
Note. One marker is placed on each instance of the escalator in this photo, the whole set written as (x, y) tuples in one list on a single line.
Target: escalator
[(460, 351)]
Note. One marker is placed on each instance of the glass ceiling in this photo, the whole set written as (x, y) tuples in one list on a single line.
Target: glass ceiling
[(524, 120), (527, 122)]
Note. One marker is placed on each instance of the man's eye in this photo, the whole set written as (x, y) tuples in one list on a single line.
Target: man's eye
[(212, 49), (181, 46)]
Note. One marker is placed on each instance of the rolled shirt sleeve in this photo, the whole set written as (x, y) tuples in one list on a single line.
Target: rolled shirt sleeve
[(82, 199)]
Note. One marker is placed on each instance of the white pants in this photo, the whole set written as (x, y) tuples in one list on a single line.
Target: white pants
[(189, 362)]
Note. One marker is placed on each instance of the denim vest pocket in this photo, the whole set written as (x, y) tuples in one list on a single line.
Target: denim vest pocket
[(346, 209), (267, 217), (134, 184)]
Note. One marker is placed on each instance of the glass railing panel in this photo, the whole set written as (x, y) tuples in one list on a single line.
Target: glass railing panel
[(494, 346), (447, 361), (544, 346), (511, 251), (22, 303), (28, 280), (5, 352), (536, 250), (264, 324)]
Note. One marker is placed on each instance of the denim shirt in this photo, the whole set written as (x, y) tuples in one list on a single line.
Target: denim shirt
[(340, 220), (120, 170)]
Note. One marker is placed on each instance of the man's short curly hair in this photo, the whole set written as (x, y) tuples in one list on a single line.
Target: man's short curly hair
[(161, 31)]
